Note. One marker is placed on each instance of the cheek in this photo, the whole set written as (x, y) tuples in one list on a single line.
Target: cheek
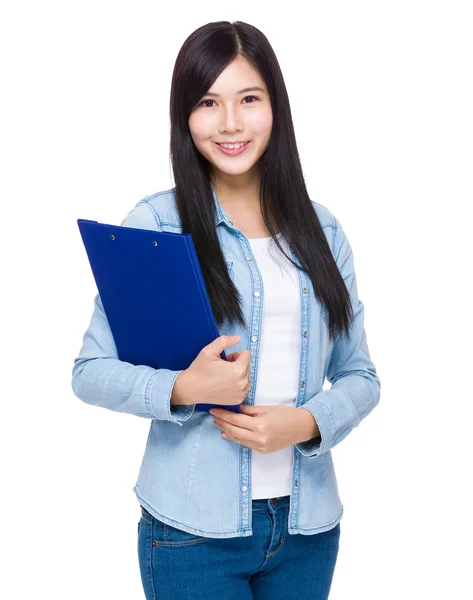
[(200, 129), (261, 123)]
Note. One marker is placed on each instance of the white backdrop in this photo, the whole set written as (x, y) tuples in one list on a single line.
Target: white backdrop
[(381, 94)]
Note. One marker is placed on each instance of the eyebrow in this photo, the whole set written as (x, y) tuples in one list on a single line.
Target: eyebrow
[(248, 89)]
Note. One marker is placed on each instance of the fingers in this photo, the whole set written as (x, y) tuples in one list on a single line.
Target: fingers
[(238, 420)]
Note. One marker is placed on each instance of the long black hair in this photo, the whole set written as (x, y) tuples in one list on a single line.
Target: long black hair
[(284, 199)]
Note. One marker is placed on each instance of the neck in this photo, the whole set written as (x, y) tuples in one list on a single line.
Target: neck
[(235, 190)]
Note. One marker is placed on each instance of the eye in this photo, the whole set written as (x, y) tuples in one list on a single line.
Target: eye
[(208, 100), (200, 104)]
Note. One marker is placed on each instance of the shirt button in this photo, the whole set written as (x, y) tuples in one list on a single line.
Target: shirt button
[(244, 488), (254, 338), (305, 334), (296, 483), (304, 290), (257, 294), (302, 383), (248, 257)]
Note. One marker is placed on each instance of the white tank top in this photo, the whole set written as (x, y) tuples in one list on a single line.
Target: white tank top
[(278, 360)]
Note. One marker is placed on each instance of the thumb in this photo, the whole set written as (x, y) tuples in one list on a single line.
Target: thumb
[(251, 410), (223, 341)]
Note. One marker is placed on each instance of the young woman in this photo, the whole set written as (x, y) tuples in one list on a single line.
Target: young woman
[(242, 505)]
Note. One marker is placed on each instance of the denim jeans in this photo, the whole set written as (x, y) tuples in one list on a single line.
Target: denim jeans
[(269, 565)]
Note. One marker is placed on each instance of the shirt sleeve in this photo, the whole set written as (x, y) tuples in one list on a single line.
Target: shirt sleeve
[(100, 378), (355, 386)]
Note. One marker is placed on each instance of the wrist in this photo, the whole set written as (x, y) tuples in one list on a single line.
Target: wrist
[(179, 391)]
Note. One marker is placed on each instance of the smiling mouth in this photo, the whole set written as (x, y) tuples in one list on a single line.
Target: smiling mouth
[(233, 151)]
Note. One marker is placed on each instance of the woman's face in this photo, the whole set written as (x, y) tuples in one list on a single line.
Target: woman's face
[(227, 114)]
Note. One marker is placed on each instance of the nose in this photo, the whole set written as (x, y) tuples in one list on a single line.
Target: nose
[(230, 121)]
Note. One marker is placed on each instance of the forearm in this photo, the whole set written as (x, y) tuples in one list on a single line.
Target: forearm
[(100, 378)]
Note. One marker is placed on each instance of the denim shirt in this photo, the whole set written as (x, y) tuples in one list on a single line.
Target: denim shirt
[(190, 477)]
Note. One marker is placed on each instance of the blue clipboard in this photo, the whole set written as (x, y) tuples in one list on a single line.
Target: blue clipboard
[(154, 295)]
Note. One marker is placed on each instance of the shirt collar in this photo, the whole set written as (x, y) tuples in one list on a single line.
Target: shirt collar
[(220, 215)]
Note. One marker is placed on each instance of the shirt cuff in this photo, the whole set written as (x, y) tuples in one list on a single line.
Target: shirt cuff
[(318, 445), (158, 398)]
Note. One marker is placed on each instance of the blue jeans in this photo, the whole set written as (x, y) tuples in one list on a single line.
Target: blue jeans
[(269, 565)]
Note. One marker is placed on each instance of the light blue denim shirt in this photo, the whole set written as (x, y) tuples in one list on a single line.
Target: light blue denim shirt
[(192, 478)]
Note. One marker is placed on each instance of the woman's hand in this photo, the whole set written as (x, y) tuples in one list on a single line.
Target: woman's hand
[(211, 380), (266, 428)]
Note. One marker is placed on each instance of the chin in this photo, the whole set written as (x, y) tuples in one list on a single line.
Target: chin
[(240, 171)]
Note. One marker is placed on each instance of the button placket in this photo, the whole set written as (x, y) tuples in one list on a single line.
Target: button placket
[(303, 279), (254, 326)]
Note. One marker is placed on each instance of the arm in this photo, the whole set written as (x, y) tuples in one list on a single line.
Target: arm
[(355, 387), (308, 429), (101, 379)]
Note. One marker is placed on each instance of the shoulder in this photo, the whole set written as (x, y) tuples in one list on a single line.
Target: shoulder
[(154, 211), (326, 217), (163, 207), (331, 226)]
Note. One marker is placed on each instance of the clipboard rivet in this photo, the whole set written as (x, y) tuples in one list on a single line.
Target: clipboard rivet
[(155, 243), (112, 237)]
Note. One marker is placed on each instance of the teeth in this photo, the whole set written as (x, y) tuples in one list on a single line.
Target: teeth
[(233, 145)]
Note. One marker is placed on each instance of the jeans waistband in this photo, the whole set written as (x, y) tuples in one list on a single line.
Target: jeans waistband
[(275, 502)]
